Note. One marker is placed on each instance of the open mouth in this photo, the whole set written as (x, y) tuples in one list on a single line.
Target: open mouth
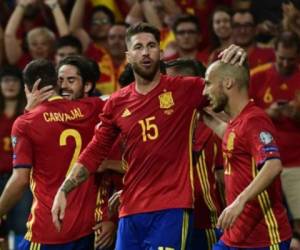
[(66, 94), (146, 63)]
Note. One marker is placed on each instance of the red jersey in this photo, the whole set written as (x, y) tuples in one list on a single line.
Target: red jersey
[(268, 86), (49, 139), (6, 151), (258, 56), (156, 130), (207, 158), (247, 144), (201, 56), (109, 78)]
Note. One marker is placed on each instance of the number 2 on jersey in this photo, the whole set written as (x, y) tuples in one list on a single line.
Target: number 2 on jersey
[(149, 129), (78, 143)]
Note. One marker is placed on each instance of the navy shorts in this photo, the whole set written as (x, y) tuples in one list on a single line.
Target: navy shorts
[(204, 239), (284, 245), (84, 243), (161, 230)]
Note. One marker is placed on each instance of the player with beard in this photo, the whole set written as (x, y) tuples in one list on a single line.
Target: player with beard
[(254, 217), (155, 118)]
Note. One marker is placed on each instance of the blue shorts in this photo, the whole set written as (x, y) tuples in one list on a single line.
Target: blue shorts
[(162, 230), (84, 243), (204, 239), (284, 245)]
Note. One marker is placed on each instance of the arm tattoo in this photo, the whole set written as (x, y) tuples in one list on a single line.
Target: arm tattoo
[(77, 176)]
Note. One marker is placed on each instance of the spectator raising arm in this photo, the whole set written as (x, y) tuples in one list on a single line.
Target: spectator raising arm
[(76, 20), (13, 47), (60, 20)]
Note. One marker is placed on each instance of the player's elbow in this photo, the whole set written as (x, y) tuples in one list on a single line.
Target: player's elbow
[(21, 178)]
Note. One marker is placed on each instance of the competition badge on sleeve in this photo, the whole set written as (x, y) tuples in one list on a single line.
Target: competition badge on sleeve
[(265, 137)]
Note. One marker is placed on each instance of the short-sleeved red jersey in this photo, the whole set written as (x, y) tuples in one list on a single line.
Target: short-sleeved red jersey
[(49, 139), (258, 56), (247, 144), (6, 151), (207, 157), (268, 86), (156, 131)]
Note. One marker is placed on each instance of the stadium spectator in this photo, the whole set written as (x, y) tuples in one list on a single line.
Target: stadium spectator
[(66, 46), (12, 103), (243, 34), (40, 40)]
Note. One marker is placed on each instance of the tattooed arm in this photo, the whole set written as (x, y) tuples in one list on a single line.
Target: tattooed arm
[(77, 175)]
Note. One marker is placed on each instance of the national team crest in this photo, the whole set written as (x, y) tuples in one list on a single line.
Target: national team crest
[(166, 100), (230, 141)]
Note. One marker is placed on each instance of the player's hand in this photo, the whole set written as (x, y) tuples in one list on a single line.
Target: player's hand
[(58, 209), (104, 234), (37, 96), (233, 55), (230, 213), (114, 203)]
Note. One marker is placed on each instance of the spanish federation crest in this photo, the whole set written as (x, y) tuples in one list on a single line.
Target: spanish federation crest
[(230, 141), (166, 100)]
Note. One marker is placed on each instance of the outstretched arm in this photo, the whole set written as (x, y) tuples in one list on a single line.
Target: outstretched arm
[(76, 21), (13, 47), (14, 189), (60, 20)]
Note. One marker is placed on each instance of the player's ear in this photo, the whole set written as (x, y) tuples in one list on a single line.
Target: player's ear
[(88, 87), (228, 83)]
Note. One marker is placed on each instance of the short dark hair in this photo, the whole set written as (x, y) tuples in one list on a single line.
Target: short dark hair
[(243, 12), (186, 19), (288, 40), (106, 11), (9, 70), (192, 66), (142, 28), (68, 40), (40, 69), (87, 68)]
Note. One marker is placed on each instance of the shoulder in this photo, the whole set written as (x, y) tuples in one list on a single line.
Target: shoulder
[(261, 69)]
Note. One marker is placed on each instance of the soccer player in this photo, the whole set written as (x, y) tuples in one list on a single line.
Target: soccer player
[(154, 117), (46, 142), (254, 217)]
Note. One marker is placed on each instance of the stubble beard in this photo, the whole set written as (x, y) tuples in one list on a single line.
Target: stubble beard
[(146, 74), (221, 104)]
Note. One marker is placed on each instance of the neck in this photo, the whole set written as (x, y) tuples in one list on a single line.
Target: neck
[(144, 86), (10, 107), (236, 104)]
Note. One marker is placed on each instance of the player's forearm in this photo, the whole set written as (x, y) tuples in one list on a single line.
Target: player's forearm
[(265, 177), (12, 193), (78, 174)]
